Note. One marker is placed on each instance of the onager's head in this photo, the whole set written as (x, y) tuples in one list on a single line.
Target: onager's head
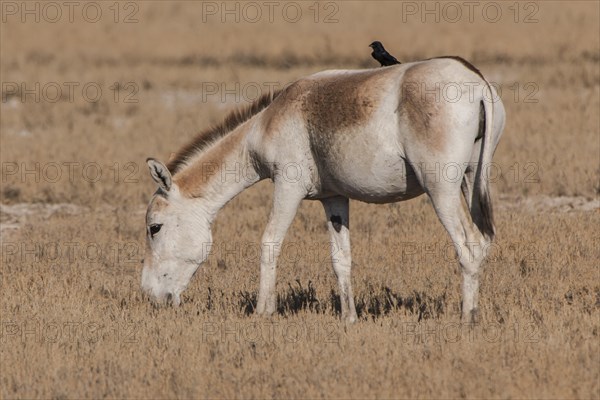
[(178, 238)]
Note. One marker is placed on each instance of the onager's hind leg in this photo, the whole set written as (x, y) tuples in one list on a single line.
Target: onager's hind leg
[(286, 200), (337, 212), (469, 243)]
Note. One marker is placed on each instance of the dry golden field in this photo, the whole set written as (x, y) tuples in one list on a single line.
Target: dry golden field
[(89, 90)]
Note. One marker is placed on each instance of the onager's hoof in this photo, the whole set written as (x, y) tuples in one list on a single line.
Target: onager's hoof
[(471, 317)]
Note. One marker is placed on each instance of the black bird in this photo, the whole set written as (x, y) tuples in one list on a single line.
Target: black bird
[(380, 54)]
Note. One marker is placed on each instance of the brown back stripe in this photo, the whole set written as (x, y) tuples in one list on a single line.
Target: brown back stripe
[(463, 62), (232, 121)]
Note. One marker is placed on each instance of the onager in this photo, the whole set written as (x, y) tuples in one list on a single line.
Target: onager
[(376, 135)]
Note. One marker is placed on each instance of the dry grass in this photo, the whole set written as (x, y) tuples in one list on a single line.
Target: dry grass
[(74, 324)]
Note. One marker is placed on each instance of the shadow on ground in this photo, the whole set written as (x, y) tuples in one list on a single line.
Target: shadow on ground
[(377, 303)]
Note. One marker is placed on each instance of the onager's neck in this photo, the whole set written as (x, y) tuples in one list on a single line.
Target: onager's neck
[(220, 172)]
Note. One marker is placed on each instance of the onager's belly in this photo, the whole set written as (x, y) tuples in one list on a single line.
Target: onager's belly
[(375, 180)]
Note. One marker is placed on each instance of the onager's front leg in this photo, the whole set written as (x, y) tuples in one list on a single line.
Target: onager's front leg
[(337, 212), (286, 200)]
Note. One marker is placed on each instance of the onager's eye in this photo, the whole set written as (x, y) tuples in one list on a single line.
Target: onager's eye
[(154, 229)]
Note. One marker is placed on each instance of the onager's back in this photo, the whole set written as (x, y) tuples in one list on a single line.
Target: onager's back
[(378, 135), (362, 127)]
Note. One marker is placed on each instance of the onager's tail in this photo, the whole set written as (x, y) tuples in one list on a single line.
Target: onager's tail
[(482, 184)]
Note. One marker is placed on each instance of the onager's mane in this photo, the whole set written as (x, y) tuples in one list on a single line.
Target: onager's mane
[(210, 135)]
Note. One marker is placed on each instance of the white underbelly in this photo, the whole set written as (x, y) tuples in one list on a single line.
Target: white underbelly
[(381, 179)]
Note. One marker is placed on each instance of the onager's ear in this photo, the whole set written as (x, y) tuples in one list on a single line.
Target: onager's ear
[(160, 174)]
